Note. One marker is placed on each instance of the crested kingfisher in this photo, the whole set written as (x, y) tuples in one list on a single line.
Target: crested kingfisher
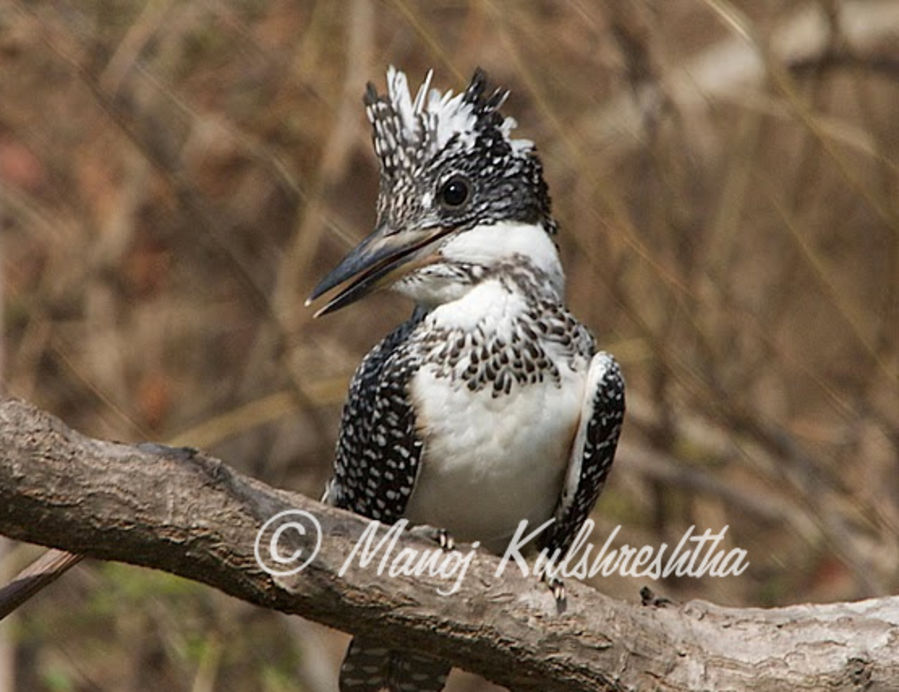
[(490, 404)]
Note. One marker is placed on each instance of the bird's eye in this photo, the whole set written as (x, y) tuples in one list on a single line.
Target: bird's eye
[(455, 192)]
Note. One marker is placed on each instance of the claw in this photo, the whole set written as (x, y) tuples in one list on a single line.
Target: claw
[(445, 540), (648, 597), (557, 587), (559, 593)]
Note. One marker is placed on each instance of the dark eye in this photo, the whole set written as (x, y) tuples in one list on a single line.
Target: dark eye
[(455, 192)]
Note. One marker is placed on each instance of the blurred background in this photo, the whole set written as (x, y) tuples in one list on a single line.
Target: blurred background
[(175, 177)]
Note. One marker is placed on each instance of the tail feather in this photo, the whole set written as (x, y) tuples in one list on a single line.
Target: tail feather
[(369, 666)]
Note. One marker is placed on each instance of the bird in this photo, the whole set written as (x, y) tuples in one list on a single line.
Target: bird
[(491, 403)]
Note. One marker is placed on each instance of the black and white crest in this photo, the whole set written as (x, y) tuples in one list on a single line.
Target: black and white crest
[(408, 133), (436, 137)]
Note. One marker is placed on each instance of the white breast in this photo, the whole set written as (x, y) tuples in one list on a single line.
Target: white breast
[(490, 462)]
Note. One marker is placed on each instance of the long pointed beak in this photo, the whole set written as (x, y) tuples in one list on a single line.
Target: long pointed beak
[(381, 258)]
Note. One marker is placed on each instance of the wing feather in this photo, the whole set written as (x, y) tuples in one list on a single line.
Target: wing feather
[(378, 448), (592, 452)]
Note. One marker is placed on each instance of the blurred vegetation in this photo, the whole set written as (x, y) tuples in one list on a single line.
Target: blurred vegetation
[(175, 176)]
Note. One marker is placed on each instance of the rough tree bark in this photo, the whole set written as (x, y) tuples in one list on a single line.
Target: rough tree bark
[(189, 514)]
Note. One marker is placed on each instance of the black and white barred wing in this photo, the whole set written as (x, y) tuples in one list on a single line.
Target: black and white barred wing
[(378, 452), (378, 449), (592, 452)]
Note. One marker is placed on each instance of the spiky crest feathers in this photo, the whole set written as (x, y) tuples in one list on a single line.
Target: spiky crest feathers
[(407, 130)]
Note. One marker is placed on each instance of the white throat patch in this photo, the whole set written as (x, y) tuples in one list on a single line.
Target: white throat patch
[(488, 245)]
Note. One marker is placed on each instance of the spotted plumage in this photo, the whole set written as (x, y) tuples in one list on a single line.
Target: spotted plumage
[(490, 404), (378, 449), (486, 357)]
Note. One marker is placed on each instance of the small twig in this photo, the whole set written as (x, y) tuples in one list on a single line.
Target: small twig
[(40, 573)]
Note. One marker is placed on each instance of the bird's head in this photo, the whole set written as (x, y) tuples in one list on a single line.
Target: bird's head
[(455, 191)]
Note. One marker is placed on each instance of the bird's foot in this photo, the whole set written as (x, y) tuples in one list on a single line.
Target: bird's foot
[(557, 587), (439, 536), (649, 598)]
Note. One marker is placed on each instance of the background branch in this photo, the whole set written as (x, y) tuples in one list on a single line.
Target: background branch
[(42, 572), (189, 514)]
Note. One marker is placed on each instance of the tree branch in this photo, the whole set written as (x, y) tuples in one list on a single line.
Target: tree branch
[(189, 514)]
